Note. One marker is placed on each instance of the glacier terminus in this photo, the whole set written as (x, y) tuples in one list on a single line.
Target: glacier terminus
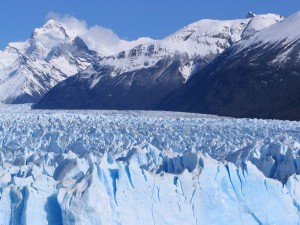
[(138, 167)]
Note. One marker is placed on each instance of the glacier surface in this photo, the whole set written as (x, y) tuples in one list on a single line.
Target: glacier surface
[(135, 167)]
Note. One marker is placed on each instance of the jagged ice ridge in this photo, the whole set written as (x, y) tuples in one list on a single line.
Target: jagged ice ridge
[(132, 167)]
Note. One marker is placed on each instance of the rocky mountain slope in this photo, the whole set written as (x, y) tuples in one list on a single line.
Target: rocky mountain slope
[(29, 69), (141, 77), (256, 77)]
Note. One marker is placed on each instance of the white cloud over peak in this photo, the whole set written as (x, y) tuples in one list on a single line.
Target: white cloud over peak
[(98, 38)]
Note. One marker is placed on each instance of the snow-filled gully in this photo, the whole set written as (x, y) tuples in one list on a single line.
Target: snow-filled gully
[(108, 167)]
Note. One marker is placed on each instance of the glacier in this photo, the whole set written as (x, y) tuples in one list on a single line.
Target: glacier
[(140, 167)]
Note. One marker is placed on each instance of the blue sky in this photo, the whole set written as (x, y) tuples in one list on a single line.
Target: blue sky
[(130, 19)]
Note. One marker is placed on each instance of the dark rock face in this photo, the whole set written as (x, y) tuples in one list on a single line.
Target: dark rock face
[(73, 51), (252, 83), (141, 89)]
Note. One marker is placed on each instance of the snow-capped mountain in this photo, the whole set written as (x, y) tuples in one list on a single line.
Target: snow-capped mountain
[(29, 69), (140, 77), (202, 40), (256, 77)]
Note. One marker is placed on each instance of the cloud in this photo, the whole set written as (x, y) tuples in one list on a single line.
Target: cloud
[(100, 39)]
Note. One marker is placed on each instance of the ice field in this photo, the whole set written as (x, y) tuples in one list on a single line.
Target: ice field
[(135, 167)]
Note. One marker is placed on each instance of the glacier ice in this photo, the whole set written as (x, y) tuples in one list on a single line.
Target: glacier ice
[(134, 167)]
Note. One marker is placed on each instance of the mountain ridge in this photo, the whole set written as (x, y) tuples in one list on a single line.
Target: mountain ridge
[(257, 78), (139, 79), (33, 67)]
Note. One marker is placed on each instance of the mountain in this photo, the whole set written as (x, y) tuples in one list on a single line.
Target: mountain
[(29, 69), (141, 77), (256, 77)]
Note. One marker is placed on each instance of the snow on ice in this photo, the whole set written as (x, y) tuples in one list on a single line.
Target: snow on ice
[(133, 167)]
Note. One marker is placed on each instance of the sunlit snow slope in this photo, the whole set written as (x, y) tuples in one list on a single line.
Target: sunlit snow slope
[(132, 167), (60, 49), (29, 69)]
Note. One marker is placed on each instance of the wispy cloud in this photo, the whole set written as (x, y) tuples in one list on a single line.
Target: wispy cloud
[(98, 38)]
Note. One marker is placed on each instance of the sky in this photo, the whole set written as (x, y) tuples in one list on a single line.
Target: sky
[(129, 19)]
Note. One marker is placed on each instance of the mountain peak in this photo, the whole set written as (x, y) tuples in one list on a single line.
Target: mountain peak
[(50, 23), (51, 27), (284, 31), (250, 15), (80, 44)]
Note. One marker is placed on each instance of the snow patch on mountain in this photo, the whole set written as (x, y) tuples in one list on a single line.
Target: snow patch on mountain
[(200, 41), (260, 22), (19, 79), (283, 33), (206, 36), (29, 69), (44, 39), (204, 39)]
